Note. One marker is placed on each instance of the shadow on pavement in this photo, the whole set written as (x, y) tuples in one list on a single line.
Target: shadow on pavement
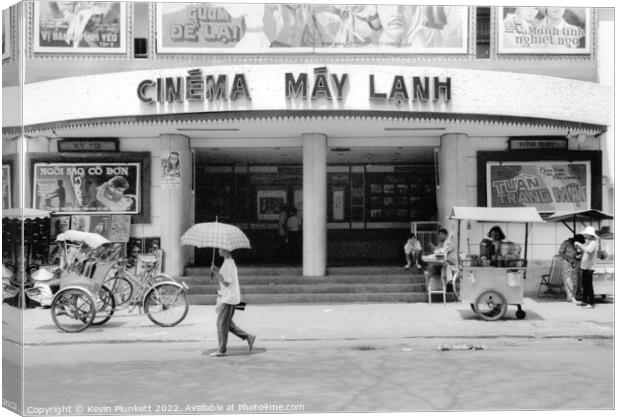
[(237, 351), (509, 316)]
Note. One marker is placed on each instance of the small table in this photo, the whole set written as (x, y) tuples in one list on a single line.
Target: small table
[(431, 260)]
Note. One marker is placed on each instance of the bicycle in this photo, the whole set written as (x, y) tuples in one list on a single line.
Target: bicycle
[(162, 298)]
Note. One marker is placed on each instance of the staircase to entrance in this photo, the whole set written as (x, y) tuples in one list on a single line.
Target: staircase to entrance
[(281, 285)]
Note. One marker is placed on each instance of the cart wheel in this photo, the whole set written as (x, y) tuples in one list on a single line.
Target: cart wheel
[(121, 288), (166, 304), (520, 314), (105, 305), (73, 310), (457, 283), (473, 308), (491, 305)]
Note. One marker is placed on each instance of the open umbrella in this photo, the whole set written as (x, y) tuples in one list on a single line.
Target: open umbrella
[(215, 235), (578, 216)]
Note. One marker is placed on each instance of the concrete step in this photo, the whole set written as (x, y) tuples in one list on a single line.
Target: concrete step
[(316, 289), (402, 278), (201, 299), (277, 270)]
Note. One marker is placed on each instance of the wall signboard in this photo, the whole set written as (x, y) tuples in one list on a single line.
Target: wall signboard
[(88, 145), (306, 28), (544, 30), (79, 188), (537, 143), (548, 186), (70, 27)]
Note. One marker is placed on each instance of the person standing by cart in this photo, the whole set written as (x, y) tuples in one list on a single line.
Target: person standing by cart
[(568, 252), (589, 249), (228, 296)]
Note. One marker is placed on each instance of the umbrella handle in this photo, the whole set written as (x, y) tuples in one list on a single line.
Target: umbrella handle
[(212, 263)]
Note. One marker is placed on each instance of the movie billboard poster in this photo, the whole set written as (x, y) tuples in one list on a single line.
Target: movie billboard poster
[(6, 186), (120, 225), (548, 186), (73, 188), (170, 169), (544, 30), (100, 224), (6, 33), (80, 27), (306, 28)]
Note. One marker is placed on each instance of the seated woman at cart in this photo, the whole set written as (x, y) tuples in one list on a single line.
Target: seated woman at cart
[(490, 246)]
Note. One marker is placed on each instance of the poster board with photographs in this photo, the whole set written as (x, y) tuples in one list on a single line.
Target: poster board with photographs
[(6, 187), (269, 203), (70, 27), (544, 30)]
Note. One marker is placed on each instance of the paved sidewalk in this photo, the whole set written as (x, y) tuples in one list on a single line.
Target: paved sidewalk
[(290, 322)]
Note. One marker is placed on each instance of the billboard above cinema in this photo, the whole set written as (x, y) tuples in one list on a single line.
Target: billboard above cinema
[(280, 28), (544, 30)]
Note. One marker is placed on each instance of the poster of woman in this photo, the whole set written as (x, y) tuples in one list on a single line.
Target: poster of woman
[(170, 169)]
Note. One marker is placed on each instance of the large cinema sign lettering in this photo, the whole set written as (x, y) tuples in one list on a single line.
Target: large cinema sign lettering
[(320, 84)]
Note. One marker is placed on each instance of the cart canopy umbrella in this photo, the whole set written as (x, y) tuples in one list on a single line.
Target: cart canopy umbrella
[(578, 216), (26, 213), (497, 214)]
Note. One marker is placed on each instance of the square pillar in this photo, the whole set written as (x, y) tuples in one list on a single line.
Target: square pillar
[(315, 204)]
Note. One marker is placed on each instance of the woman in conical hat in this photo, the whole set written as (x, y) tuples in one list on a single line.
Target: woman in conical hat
[(589, 249)]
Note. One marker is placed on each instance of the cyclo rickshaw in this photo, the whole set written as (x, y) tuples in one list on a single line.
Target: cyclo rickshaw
[(88, 272), (490, 285)]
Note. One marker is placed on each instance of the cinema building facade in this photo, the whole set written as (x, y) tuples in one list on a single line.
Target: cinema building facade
[(364, 141)]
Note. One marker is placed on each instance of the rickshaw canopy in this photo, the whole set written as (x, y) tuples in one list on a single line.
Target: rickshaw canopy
[(94, 240), (497, 214)]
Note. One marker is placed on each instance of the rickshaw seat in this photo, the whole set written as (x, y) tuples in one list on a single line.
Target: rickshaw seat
[(552, 280), (92, 277)]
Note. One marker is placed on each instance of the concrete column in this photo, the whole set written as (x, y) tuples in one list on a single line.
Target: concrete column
[(452, 175), (315, 204), (174, 202)]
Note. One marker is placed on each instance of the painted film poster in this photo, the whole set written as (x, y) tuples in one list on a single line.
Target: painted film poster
[(326, 28), (544, 30), (548, 186), (6, 33), (79, 27), (87, 187)]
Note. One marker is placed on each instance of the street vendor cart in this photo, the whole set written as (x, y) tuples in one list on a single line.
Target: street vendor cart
[(490, 285)]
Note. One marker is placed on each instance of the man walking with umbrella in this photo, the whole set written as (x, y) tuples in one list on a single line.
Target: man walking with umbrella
[(226, 238), (228, 296)]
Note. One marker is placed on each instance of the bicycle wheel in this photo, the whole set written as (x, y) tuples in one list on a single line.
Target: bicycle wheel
[(457, 282), (105, 305), (121, 288), (162, 278), (166, 304), (491, 305), (73, 310)]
